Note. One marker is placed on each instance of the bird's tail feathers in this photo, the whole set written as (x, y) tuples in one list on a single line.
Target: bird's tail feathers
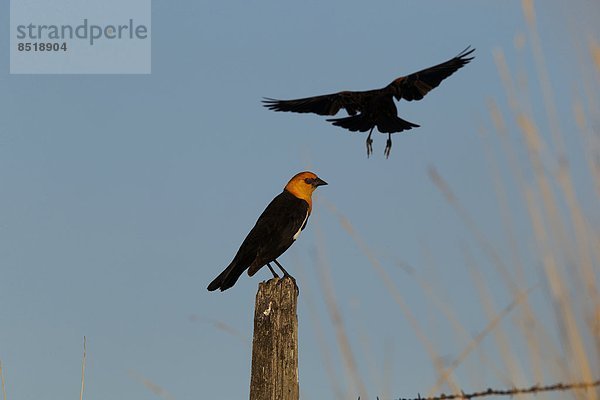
[(393, 123), (362, 123), (227, 278), (354, 123)]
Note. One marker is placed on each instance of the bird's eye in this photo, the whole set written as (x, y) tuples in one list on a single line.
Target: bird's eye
[(309, 181)]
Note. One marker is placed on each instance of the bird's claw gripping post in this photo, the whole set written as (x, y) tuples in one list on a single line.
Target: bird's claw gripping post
[(285, 274), (292, 279)]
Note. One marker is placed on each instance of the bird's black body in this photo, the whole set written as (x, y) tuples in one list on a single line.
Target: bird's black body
[(274, 232), (375, 108)]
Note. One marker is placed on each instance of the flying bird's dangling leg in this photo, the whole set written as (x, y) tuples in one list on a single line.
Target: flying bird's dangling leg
[(272, 271), (388, 146), (370, 143), (285, 273)]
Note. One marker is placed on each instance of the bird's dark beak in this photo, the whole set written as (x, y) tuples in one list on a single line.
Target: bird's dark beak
[(319, 182)]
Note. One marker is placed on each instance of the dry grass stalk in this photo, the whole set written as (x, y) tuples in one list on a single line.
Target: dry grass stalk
[(3, 383), (83, 369), (153, 387)]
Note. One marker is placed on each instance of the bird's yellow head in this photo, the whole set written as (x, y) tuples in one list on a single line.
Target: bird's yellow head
[(303, 184)]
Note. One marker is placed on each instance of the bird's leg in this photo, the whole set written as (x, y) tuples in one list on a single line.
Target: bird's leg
[(370, 143), (272, 271), (285, 273), (388, 146)]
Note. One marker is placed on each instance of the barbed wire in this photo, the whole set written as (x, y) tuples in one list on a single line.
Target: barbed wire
[(510, 392)]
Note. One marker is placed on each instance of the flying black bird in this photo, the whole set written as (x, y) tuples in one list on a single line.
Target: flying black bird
[(274, 232), (375, 108)]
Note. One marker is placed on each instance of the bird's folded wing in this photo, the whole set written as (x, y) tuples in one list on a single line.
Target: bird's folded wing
[(274, 230)]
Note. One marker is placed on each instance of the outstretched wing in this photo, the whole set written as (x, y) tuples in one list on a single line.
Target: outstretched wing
[(416, 86), (327, 104)]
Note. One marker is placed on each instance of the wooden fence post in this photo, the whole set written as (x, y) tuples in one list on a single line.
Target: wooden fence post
[(275, 342)]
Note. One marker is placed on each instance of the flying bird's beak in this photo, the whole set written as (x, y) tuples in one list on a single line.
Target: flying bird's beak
[(319, 182)]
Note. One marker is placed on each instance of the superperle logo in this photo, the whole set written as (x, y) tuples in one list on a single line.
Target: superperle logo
[(84, 31)]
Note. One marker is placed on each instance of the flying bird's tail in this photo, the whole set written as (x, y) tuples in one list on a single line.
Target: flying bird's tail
[(393, 123), (355, 123), (362, 123), (227, 278)]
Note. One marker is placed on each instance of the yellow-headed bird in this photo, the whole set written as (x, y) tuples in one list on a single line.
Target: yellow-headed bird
[(274, 232)]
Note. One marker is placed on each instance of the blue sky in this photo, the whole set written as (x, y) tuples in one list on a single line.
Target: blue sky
[(122, 197)]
